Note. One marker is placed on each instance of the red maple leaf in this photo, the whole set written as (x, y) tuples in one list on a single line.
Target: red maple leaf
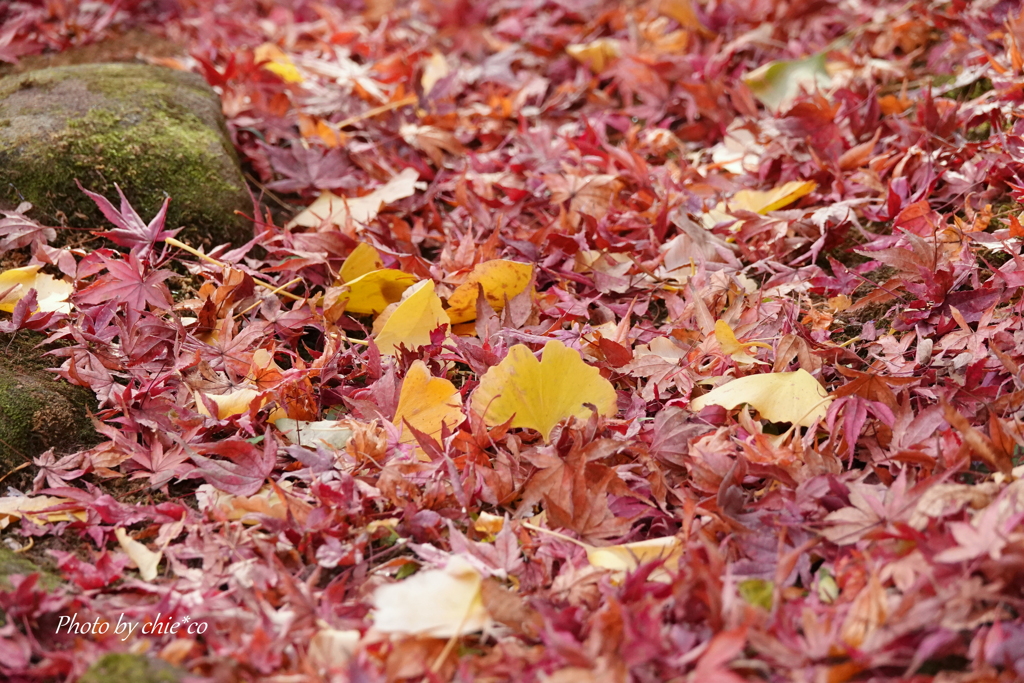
[(132, 231), (128, 282)]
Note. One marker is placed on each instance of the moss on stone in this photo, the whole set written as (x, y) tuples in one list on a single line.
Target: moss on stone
[(153, 131), (12, 563), (124, 667), (37, 411)]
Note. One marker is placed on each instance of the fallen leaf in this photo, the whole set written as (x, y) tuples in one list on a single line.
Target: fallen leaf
[(51, 294), (627, 557), (277, 61), (332, 433), (364, 259), (233, 403), (540, 394), (145, 559), (330, 208), (438, 603), (412, 320), (30, 507), (778, 396), (332, 649), (731, 346), (763, 201), (371, 293), (597, 54), (427, 404), (501, 281), (777, 84)]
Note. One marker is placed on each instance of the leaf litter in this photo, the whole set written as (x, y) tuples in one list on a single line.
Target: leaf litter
[(584, 341)]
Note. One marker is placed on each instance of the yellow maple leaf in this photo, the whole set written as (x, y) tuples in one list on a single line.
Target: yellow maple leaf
[(411, 321), (778, 396), (501, 280), (363, 259), (51, 294), (427, 403), (540, 394), (278, 62), (734, 347), (371, 293)]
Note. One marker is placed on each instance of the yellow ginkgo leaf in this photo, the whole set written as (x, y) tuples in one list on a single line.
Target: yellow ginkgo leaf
[(51, 294), (371, 293), (500, 279), (778, 396), (436, 603), (427, 403), (230, 404), (540, 394), (412, 321), (734, 347), (145, 559), (363, 259), (597, 54), (277, 62)]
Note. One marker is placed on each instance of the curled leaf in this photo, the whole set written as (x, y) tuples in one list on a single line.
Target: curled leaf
[(51, 294)]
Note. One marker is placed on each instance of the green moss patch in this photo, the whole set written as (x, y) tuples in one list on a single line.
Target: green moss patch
[(123, 667), (153, 131)]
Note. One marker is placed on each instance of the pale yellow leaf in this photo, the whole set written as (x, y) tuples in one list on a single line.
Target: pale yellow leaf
[(332, 433), (427, 403), (434, 69), (51, 294), (230, 404), (436, 603), (145, 559), (371, 293), (29, 507), (487, 523), (330, 208), (411, 322), (763, 201), (501, 280), (777, 84), (682, 11), (363, 259), (332, 649), (540, 394), (778, 396), (627, 557)]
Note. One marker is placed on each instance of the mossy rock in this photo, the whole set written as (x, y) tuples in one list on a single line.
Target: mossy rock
[(12, 563), (151, 130), (125, 668), (37, 410)]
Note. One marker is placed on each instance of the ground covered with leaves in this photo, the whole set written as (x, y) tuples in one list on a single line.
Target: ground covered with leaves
[(577, 341)]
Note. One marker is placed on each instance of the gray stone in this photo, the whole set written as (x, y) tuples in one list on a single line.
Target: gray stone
[(150, 129), (38, 411)]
